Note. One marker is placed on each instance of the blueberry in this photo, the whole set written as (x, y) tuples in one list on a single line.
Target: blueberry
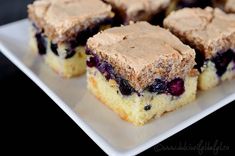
[(101, 67), (88, 51), (41, 43), (107, 70), (176, 87), (69, 53), (147, 107), (159, 86), (92, 62), (200, 58), (222, 61), (54, 48), (125, 88)]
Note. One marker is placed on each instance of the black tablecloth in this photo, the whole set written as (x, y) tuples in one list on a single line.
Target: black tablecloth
[(32, 121)]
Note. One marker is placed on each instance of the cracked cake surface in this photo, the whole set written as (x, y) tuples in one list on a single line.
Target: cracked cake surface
[(62, 19), (139, 9), (207, 30), (141, 53)]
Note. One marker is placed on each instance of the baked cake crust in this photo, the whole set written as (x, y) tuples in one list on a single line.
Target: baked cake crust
[(140, 53), (136, 10), (207, 30), (77, 15), (230, 6)]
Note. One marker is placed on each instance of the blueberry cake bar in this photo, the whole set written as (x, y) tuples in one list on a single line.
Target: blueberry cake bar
[(137, 10), (60, 29), (140, 71), (211, 32), (230, 6)]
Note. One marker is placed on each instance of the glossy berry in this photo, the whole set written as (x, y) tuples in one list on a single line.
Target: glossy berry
[(176, 87), (125, 87), (92, 62), (147, 107), (41, 43), (222, 61), (159, 86)]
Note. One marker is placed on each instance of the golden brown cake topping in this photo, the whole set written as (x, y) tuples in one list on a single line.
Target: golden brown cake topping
[(141, 53)]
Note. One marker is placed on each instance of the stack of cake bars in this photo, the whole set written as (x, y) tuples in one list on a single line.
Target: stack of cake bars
[(139, 70)]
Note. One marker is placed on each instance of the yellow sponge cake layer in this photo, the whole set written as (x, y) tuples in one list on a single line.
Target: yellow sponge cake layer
[(134, 108), (73, 66)]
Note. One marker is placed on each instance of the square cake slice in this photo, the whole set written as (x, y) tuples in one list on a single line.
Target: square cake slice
[(60, 29), (211, 32), (138, 10), (140, 71)]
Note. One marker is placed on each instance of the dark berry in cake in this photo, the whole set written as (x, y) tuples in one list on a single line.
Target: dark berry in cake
[(69, 53), (41, 43), (147, 107), (176, 87), (54, 48), (101, 67), (88, 51), (125, 88), (106, 69), (222, 61), (199, 59), (92, 62), (159, 86)]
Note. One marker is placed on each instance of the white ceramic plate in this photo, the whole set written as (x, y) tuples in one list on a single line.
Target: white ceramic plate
[(113, 135)]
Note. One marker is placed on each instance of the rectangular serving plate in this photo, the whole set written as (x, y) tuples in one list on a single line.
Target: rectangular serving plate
[(105, 128)]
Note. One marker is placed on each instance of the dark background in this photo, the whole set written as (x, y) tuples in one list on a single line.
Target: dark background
[(39, 126)]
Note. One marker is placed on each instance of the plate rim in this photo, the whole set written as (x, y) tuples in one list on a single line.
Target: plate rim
[(99, 140)]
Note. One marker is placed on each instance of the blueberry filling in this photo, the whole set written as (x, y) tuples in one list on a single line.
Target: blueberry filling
[(222, 60), (41, 43), (69, 51), (107, 70), (199, 59), (159, 86), (80, 39), (194, 3), (125, 88), (174, 87), (147, 107), (92, 62)]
